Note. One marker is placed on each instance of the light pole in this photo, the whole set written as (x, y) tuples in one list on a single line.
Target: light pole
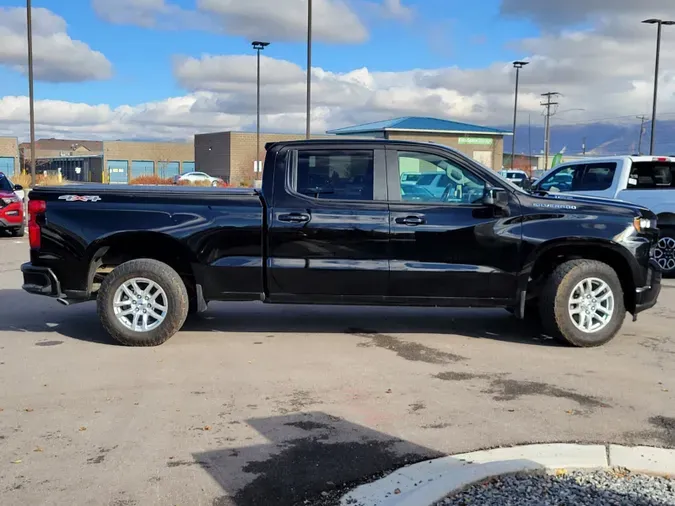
[(309, 69), (258, 46), (659, 23), (517, 65), (31, 96)]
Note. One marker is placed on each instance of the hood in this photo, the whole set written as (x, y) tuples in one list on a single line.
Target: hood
[(571, 199)]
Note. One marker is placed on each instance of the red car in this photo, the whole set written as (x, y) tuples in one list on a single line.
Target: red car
[(11, 207)]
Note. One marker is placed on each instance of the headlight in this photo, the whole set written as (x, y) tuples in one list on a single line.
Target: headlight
[(642, 224), (10, 200)]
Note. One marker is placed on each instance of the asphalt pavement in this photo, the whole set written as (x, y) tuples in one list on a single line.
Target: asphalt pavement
[(278, 405)]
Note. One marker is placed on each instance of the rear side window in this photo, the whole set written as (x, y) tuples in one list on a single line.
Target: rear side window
[(335, 175), (598, 177), (652, 176)]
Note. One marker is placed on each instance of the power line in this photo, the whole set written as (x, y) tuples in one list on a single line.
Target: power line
[(547, 132)]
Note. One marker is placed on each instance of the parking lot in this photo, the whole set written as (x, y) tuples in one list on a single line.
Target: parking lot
[(255, 404)]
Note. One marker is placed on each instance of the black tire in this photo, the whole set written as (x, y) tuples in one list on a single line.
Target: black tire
[(665, 252), (18, 232), (164, 276), (555, 297)]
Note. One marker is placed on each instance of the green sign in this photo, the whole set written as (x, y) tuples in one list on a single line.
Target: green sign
[(483, 141)]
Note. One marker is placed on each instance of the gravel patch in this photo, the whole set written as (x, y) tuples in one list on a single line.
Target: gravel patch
[(615, 487)]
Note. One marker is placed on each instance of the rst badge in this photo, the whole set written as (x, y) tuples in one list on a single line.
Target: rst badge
[(80, 198)]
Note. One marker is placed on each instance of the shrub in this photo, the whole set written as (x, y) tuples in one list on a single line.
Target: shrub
[(151, 180), (24, 180)]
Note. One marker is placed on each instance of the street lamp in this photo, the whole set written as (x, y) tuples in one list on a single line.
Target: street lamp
[(31, 95), (659, 23), (517, 65), (258, 46), (309, 69)]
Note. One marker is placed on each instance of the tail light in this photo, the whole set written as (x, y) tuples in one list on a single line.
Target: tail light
[(35, 209)]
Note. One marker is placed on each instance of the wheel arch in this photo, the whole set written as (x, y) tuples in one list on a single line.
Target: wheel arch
[(666, 219), (118, 248), (544, 260)]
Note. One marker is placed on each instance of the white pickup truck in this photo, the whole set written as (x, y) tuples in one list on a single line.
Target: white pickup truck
[(648, 181)]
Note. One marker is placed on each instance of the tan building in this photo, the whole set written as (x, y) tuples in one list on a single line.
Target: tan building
[(127, 160), (483, 144), (232, 155), (9, 156)]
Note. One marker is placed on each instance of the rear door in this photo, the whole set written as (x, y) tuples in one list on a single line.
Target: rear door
[(451, 246), (329, 225)]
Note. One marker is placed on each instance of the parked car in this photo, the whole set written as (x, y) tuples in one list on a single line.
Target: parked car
[(517, 177), (327, 228), (648, 181), (11, 207), (410, 178), (198, 177)]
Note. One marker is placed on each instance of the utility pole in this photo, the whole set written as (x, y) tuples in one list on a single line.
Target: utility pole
[(308, 129), (583, 146), (547, 132), (31, 95), (517, 65), (659, 23), (258, 46), (642, 119)]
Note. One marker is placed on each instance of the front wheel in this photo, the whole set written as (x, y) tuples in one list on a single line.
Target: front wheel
[(142, 303), (582, 303), (664, 254)]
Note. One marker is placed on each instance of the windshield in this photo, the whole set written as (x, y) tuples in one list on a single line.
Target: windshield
[(5, 184)]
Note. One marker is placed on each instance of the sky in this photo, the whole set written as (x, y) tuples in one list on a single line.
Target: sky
[(167, 69)]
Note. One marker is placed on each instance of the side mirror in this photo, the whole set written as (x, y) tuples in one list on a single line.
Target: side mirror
[(495, 197), (18, 187)]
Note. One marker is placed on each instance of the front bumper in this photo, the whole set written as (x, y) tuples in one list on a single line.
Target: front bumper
[(14, 223), (647, 296), (40, 281)]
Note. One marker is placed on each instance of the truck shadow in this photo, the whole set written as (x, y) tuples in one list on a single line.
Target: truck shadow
[(310, 457), (22, 312)]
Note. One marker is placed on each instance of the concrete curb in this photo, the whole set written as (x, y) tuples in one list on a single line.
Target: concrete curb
[(427, 482)]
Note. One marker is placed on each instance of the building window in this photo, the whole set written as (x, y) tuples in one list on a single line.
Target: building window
[(167, 170), (188, 167)]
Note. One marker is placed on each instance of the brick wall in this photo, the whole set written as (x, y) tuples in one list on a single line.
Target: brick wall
[(9, 147), (243, 152), (148, 151), (452, 140)]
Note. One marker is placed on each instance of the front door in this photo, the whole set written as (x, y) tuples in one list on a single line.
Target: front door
[(451, 246), (329, 225)]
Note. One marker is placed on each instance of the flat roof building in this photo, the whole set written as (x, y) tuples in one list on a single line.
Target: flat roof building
[(483, 144)]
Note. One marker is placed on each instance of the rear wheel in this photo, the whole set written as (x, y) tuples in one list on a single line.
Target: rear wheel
[(142, 303), (18, 232), (664, 254), (582, 303)]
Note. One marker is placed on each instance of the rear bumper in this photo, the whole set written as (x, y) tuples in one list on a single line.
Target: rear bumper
[(40, 281), (647, 296), (9, 222)]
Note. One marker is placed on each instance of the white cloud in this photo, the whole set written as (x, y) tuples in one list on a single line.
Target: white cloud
[(396, 10), (286, 20), (56, 56), (605, 69)]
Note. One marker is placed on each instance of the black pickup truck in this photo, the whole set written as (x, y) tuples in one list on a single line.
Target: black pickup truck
[(336, 223)]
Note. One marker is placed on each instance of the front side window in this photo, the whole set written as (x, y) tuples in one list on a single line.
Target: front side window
[(335, 175), (440, 180), (652, 176), (563, 180)]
